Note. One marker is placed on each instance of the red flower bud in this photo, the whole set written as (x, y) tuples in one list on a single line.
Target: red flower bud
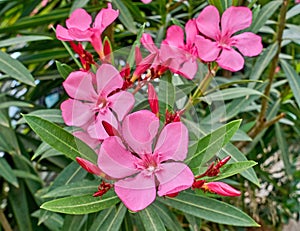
[(221, 188), (153, 99)]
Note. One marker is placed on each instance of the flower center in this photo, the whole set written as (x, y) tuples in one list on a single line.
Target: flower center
[(224, 42), (101, 105), (149, 163)]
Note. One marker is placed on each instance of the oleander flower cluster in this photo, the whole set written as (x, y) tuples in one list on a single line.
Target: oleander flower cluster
[(141, 153)]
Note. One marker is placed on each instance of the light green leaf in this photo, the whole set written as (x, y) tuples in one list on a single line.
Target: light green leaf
[(151, 220), (210, 144), (231, 169), (102, 217), (15, 104), (81, 204), (238, 156), (60, 139), (293, 78), (7, 173), (53, 115), (75, 188), (265, 13), (23, 39), (125, 16), (78, 4), (295, 10), (63, 69), (209, 209), (230, 93), (15, 69)]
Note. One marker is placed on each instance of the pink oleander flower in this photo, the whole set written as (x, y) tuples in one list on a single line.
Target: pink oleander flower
[(215, 44), (221, 188), (297, 1), (153, 100), (141, 170), (94, 99), (182, 56), (79, 29), (146, 1)]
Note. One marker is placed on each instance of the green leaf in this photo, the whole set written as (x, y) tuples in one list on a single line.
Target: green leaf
[(262, 63), (60, 139), (114, 222), (295, 10), (293, 78), (166, 93), (22, 39), (232, 169), (75, 188), (168, 218), (102, 217), (15, 104), (81, 204), (78, 4), (230, 93), (125, 16), (265, 13), (238, 156), (54, 222), (63, 69), (74, 223), (284, 150), (15, 69), (209, 209), (210, 144), (7, 173), (151, 220), (53, 115)]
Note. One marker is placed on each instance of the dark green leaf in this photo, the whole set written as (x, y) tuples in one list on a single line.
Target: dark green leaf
[(7, 173), (60, 139), (209, 209), (151, 220)]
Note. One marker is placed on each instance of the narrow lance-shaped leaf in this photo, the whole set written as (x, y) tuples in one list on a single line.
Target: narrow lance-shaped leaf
[(15, 69), (7, 173), (23, 39), (114, 222), (81, 204), (293, 78), (60, 139), (151, 220), (209, 145), (209, 209)]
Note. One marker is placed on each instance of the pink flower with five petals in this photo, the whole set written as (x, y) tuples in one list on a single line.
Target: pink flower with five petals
[(142, 171), (93, 100), (78, 27), (181, 56), (217, 45)]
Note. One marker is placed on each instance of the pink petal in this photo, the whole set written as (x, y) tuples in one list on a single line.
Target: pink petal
[(139, 129), (146, 1), (86, 138), (188, 69), (121, 103), (137, 192), (176, 54), (79, 19), (105, 17), (235, 19), (208, 22), (79, 86), (153, 99), (63, 34), (147, 42), (76, 113), (108, 79), (230, 60), (96, 130), (207, 50), (173, 142), (115, 160), (249, 44), (222, 189), (191, 31), (175, 36), (174, 177), (80, 35)]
